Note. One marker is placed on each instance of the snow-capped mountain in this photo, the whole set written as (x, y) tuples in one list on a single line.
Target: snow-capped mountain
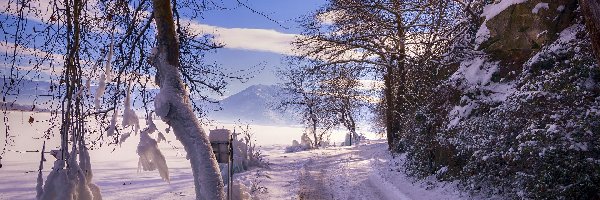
[(253, 104)]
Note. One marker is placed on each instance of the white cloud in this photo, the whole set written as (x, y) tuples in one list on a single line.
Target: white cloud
[(7, 48), (266, 40), (38, 63), (39, 11)]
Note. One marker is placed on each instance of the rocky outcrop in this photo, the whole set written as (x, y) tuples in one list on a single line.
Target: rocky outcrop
[(522, 29)]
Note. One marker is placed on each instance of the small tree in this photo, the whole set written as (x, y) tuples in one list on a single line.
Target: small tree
[(302, 93)]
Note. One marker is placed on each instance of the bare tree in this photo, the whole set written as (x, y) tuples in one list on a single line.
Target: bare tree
[(302, 93), (382, 37), (172, 104)]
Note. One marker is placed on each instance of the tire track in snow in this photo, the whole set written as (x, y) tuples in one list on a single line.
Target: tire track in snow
[(345, 176), (312, 183)]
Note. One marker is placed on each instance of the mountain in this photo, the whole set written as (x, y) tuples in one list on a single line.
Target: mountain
[(25, 92), (253, 104)]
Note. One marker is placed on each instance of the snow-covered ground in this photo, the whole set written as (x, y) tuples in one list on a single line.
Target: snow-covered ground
[(366, 171)]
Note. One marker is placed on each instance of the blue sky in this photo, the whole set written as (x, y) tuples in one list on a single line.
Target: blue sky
[(250, 39), (237, 55)]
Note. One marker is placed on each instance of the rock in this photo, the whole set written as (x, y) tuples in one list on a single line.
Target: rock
[(522, 29)]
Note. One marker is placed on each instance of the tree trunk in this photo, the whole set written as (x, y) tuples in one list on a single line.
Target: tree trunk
[(390, 123), (315, 137), (591, 13), (173, 106), (399, 74)]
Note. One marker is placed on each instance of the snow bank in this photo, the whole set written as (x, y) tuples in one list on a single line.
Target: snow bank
[(240, 191), (73, 182), (304, 145), (387, 189)]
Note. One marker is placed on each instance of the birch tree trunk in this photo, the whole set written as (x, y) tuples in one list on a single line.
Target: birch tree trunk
[(172, 104)]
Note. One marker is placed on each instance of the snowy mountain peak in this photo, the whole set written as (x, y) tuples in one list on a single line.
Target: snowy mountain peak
[(253, 104)]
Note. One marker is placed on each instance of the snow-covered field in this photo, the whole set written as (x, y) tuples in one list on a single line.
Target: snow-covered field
[(363, 172)]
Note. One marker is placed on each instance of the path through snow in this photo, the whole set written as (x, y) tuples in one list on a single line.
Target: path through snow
[(363, 172)]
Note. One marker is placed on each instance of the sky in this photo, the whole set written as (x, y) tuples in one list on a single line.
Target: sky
[(251, 39)]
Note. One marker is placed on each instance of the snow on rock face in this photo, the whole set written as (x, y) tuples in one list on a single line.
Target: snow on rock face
[(474, 78), (559, 46), (460, 112), (513, 30), (489, 12), (539, 6), (476, 71)]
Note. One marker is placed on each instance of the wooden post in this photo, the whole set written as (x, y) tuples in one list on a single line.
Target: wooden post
[(230, 168)]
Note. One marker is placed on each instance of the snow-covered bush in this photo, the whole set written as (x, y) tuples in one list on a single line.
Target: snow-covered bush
[(356, 139), (520, 130), (240, 191), (72, 182), (245, 153), (304, 145), (543, 141)]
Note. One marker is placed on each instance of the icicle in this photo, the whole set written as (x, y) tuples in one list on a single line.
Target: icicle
[(106, 77), (124, 137), (150, 156), (39, 188), (113, 123), (108, 67), (80, 92), (129, 116), (100, 91), (86, 168), (88, 84), (161, 137)]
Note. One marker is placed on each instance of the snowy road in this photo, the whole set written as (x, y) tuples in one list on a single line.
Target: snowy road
[(363, 172)]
